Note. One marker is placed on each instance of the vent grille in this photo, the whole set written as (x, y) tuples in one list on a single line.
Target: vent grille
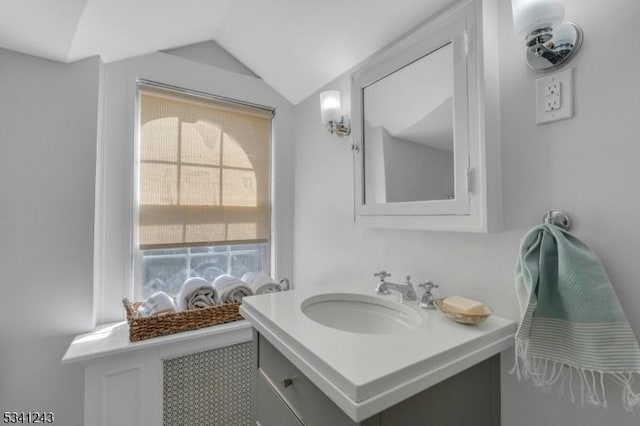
[(209, 388)]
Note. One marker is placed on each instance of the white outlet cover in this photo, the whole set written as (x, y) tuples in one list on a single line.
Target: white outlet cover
[(552, 88), (552, 102), (562, 80)]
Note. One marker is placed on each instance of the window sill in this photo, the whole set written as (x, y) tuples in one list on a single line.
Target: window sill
[(113, 339)]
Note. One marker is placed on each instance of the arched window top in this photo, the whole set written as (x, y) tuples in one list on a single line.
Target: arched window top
[(203, 171)]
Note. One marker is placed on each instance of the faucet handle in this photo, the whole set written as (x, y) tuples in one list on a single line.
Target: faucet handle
[(428, 285), (427, 301), (382, 275), (381, 288)]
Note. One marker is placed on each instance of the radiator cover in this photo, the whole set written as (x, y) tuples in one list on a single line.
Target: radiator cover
[(209, 388)]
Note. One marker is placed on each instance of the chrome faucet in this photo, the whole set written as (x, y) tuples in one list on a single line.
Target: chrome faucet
[(427, 301), (385, 287)]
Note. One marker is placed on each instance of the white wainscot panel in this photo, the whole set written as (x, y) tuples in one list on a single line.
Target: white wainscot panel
[(123, 380)]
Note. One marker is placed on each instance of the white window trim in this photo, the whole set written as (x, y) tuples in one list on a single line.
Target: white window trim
[(115, 214)]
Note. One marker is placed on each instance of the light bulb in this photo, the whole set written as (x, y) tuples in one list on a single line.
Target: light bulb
[(529, 15), (330, 106)]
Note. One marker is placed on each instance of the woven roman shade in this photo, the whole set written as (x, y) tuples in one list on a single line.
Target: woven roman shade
[(203, 171)]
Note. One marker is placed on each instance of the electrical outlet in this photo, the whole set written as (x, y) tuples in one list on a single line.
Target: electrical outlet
[(553, 88), (554, 97), (552, 102)]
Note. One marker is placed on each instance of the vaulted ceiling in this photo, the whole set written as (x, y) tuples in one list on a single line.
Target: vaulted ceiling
[(296, 46)]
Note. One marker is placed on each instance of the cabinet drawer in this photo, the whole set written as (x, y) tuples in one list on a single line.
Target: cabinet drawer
[(304, 398), (271, 410)]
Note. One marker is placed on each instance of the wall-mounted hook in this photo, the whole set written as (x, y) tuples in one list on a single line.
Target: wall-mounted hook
[(558, 218)]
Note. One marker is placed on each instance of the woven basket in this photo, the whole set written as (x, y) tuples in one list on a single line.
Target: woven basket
[(141, 328)]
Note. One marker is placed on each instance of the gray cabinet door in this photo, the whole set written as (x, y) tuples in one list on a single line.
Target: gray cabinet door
[(470, 398), (271, 410), (306, 399)]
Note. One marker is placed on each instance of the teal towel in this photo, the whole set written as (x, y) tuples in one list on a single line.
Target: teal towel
[(573, 331)]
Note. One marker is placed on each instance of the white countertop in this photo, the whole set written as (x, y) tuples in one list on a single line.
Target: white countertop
[(367, 373)]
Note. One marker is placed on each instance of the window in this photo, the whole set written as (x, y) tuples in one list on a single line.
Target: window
[(203, 189)]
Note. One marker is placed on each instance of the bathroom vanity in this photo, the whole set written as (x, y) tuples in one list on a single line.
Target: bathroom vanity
[(371, 360), (285, 396)]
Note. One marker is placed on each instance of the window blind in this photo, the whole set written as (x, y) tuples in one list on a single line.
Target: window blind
[(203, 171)]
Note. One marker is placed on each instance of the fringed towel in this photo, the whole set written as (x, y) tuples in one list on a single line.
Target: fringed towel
[(573, 332)]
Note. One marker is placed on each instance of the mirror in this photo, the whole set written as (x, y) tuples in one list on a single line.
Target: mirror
[(408, 132), (426, 126), (411, 120)]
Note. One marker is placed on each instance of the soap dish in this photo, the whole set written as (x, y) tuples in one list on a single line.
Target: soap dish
[(464, 318)]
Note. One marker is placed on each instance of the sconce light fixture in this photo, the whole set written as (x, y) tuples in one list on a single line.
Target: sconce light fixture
[(331, 113), (551, 42)]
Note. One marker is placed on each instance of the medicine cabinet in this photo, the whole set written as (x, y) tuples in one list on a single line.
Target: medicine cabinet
[(426, 126)]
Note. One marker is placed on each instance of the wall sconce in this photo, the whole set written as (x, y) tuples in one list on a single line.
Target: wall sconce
[(331, 113), (551, 42)]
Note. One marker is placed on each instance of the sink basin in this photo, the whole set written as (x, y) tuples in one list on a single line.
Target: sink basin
[(359, 313)]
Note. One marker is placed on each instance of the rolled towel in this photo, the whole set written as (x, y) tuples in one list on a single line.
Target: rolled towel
[(231, 289), (261, 283), (157, 303), (196, 293)]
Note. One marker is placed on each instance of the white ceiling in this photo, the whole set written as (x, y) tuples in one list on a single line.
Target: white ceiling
[(296, 46)]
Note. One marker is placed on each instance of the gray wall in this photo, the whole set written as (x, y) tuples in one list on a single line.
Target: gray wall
[(417, 172), (48, 131), (374, 183), (398, 170), (48, 127), (210, 53), (586, 166)]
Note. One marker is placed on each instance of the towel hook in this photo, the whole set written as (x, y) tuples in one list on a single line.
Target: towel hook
[(558, 218)]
